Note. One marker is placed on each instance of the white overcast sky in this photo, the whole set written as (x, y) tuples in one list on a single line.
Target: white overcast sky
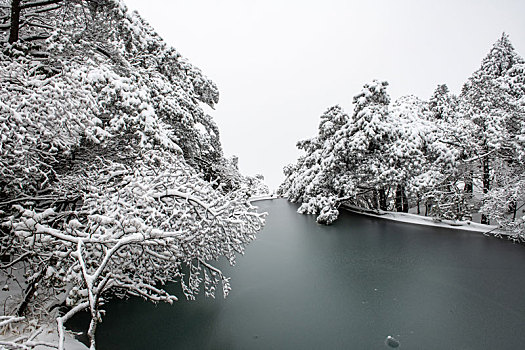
[(279, 64)]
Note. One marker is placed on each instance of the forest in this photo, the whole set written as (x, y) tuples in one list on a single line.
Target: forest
[(113, 181), (448, 157)]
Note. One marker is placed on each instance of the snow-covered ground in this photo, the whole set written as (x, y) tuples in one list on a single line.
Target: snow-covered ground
[(263, 198), (12, 283), (47, 336), (70, 343), (425, 220), (13, 337), (411, 218)]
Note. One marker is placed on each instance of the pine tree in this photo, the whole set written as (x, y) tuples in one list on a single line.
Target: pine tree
[(315, 180), (407, 158), (442, 104), (491, 96), (367, 137)]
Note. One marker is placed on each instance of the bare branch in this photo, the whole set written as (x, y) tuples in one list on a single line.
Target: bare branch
[(12, 263)]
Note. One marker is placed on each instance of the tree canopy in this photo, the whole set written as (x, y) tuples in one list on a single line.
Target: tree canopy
[(113, 181), (454, 155)]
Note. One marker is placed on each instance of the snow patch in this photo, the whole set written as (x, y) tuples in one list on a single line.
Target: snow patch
[(424, 220)]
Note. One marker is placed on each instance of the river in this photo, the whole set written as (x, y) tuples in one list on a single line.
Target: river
[(346, 286)]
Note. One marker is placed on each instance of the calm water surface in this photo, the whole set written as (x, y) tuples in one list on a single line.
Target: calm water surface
[(346, 286)]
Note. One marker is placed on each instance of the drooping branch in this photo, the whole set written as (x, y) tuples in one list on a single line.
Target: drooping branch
[(188, 197)]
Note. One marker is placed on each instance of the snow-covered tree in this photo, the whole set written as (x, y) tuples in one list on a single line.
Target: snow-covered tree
[(138, 227), (412, 152), (319, 175), (27, 16), (492, 98), (112, 176), (408, 150), (345, 162), (365, 138), (442, 104), (256, 186)]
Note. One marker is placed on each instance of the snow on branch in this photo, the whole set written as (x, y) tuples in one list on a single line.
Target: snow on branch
[(130, 236), (39, 3), (110, 187)]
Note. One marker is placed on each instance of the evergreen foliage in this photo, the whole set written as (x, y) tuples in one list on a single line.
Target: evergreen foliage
[(453, 156)]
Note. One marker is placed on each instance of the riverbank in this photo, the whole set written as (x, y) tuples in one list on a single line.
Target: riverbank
[(15, 336), (414, 219), (426, 220), (263, 198)]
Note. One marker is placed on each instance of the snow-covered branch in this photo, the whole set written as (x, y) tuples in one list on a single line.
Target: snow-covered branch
[(111, 188)]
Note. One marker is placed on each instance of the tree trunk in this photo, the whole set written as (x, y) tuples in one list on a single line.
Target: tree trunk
[(15, 21), (401, 201), (513, 209), (93, 324), (469, 185), (399, 198), (428, 207), (375, 200), (91, 331), (405, 200), (382, 199), (486, 185)]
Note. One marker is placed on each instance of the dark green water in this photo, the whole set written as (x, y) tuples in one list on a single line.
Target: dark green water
[(346, 286)]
